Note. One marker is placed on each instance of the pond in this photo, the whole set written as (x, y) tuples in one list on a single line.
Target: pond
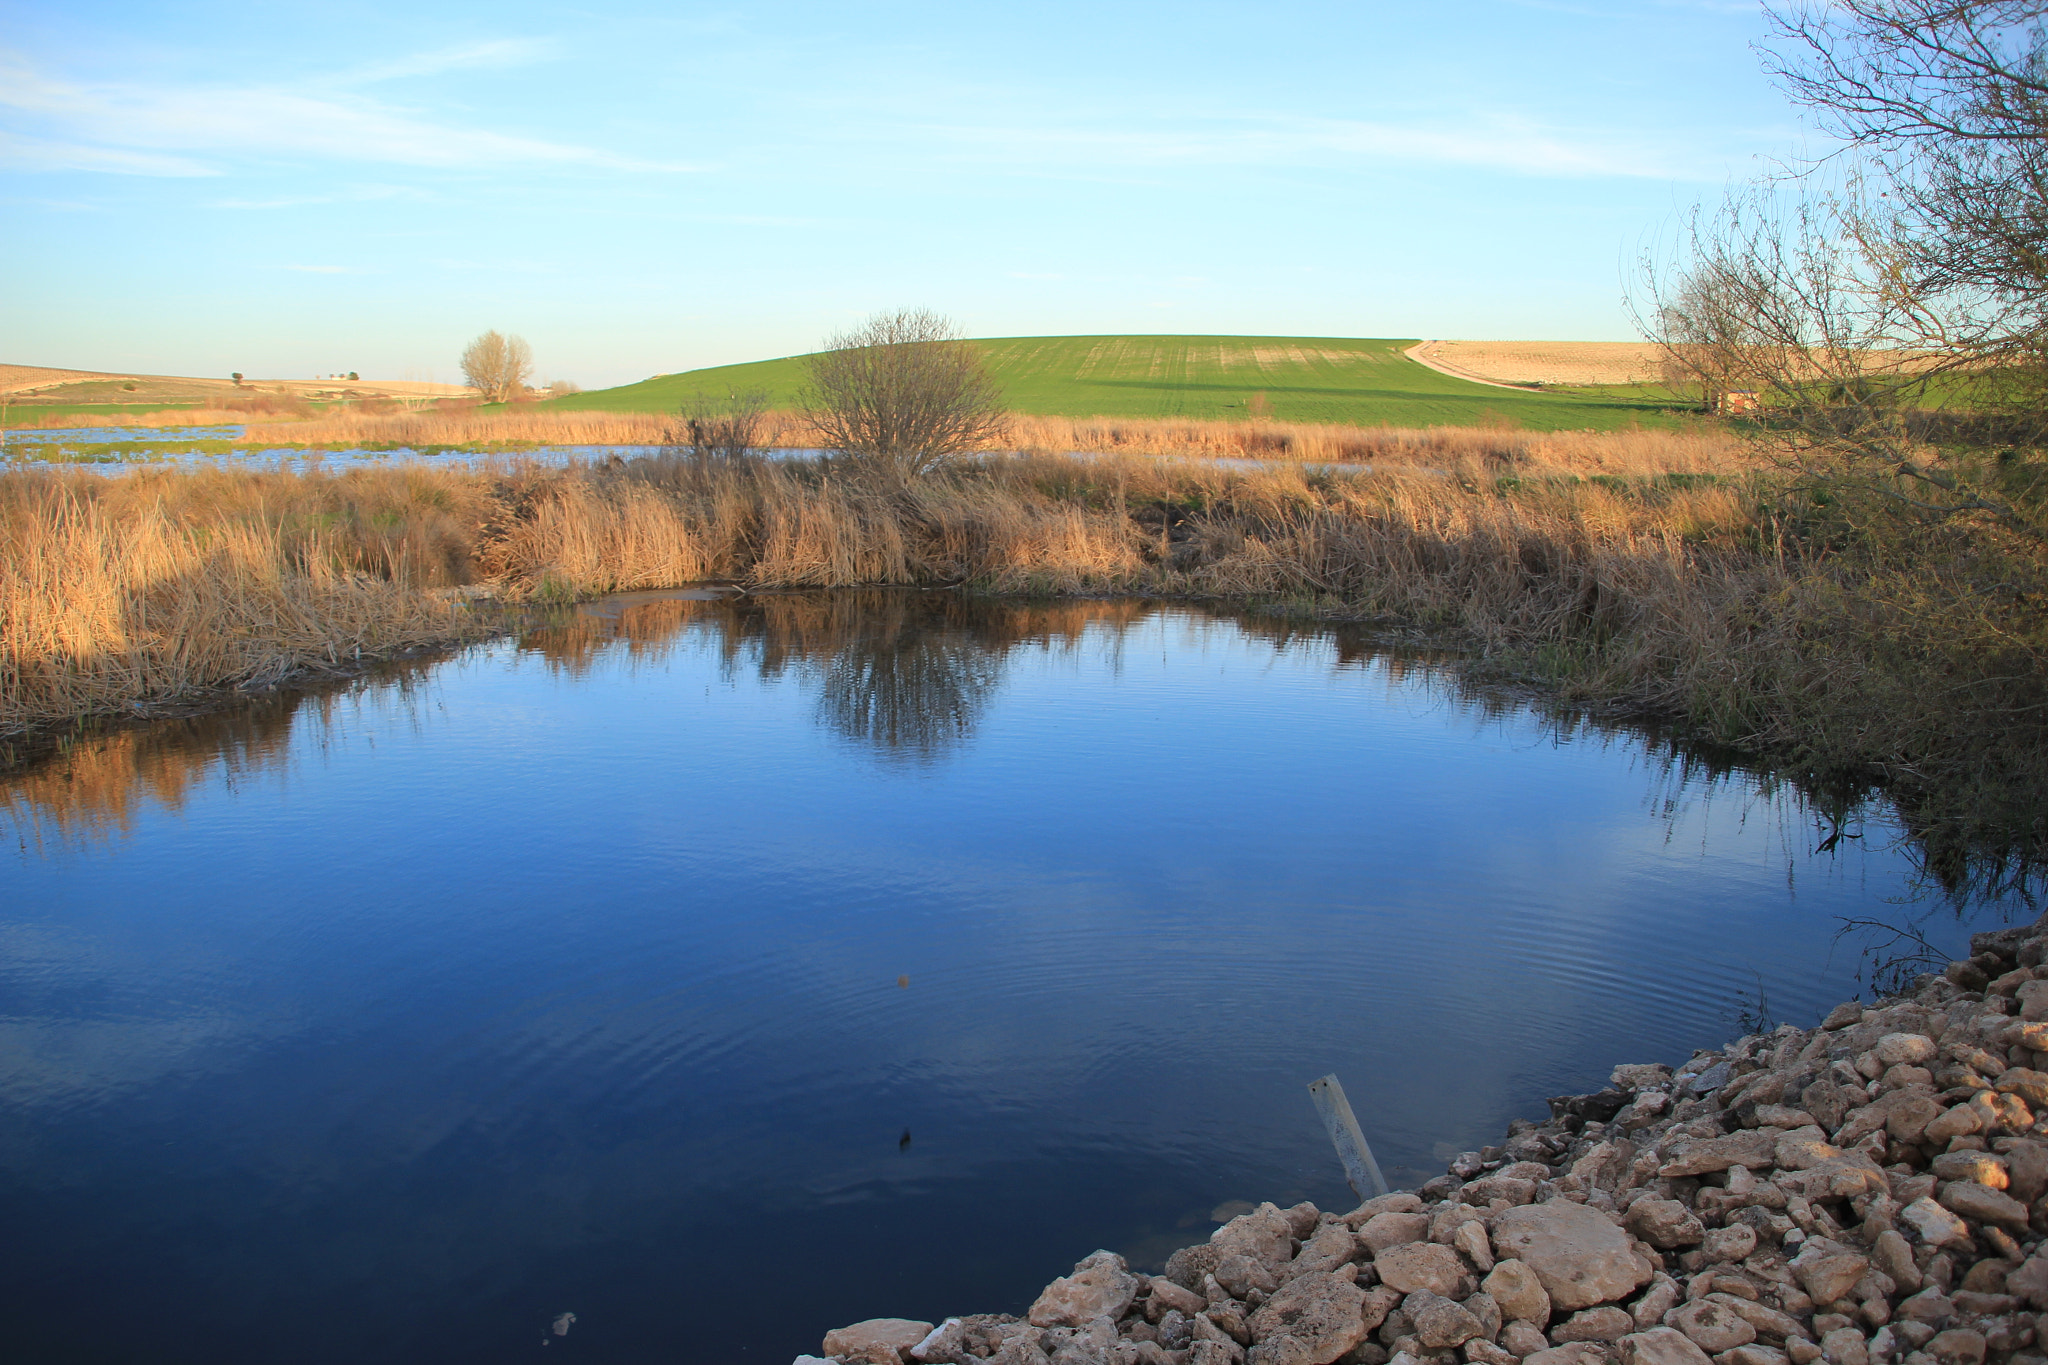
[(722, 971)]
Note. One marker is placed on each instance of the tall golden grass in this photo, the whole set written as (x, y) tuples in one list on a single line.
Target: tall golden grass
[(1751, 612), (116, 593)]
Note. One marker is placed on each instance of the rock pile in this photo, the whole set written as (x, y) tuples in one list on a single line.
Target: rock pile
[(1868, 1192)]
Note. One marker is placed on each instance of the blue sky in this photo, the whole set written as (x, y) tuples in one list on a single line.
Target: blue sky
[(292, 190)]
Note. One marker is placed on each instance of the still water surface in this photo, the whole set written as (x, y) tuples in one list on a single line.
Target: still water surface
[(723, 972)]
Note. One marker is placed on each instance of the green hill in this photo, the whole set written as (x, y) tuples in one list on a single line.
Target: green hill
[(1361, 381)]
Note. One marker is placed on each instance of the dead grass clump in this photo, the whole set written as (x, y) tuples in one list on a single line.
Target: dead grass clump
[(110, 596), (270, 405)]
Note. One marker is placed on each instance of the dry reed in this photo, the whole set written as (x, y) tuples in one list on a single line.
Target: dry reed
[(1725, 602), (116, 593)]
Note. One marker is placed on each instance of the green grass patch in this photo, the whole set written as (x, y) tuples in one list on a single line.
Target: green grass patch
[(1347, 380), (18, 413)]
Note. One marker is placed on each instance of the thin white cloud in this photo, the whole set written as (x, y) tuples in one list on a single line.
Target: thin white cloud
[(361, 195), (1502, 143), (497, 55), (22, 153), (138, 129)]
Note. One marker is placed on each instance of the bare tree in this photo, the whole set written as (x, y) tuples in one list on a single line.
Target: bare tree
[(1946, 103), (497, 366), (1895, 328), (901, 393), (1810, 308)]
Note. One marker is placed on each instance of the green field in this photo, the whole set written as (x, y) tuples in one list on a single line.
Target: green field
[(1354, 380)]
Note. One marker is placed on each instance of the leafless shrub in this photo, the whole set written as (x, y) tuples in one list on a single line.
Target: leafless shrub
[(730, 428), (901, 393)]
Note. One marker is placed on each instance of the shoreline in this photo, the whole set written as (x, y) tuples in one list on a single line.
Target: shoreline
[(1869, 1191)]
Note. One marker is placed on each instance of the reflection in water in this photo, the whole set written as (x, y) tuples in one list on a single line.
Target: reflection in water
[(908, 674), (96, 787), (577, 978)]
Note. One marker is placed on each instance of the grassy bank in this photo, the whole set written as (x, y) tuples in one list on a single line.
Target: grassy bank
[(1842, 650), (1357, 381)]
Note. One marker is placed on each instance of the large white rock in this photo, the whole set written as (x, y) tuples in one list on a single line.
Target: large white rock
[(1661, 1346), (1321, 1311), (897, 1334), (1099, 1287), (1577, 1251)]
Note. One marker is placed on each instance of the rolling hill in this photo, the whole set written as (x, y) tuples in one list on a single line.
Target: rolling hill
[(1352, 380)]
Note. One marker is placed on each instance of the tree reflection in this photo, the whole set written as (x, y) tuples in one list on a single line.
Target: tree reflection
[(913, 695)]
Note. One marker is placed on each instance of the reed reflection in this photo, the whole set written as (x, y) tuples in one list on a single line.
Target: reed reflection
[(907, 676), (96, 788)]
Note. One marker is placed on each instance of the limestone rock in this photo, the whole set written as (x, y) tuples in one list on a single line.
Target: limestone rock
[(1979, 1167), (1513, 1188), (1099, 1287), (1578, 1253), (942, 1343), (1594, 1324), (1523, 1339), (1908, 1049), (896, 1335), (1439, 1322), (1732, 1243), (1483, 1307), (1264, 1234), (1664, 1223), (2027, 1170), (1933, 1224), (1519, 1292), (1958, 1121), (2030, 1281), (1752, 1148), (1576, 1353), (1631, 1078), (1844, 1346), (1166, 1294), (1242, 1274), (1393, 1230), (1420, 1266), (1711, 1326), (1829, 1276), (1322, 1311), (1929, 1306), (1962, 1345), (1187, 1266), (1751, 1354), (1984, 1204), (2029, 1084), (1890, 1254), (1471, 1241), (1660, 1346), (1660, 1298), (1400, 1201)]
